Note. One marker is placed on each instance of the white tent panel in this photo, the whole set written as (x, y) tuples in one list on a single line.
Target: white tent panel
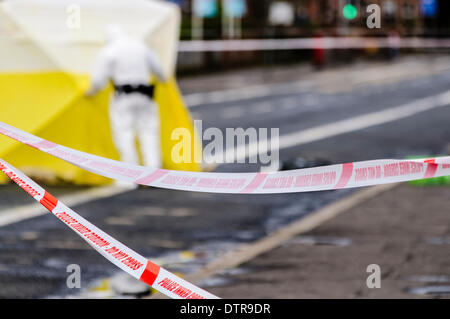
[(74, 49)]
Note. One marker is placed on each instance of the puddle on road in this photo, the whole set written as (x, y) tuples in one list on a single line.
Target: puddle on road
[(246, 235), (224, 277), (55, 263), (235, 271), (434, 289), (320, 240), (215, 282), (430, 290), (438, 241)]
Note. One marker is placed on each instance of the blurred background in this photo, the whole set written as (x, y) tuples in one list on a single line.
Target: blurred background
[(268, 19)]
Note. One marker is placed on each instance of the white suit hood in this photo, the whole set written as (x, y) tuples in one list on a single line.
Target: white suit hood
[(114, 33), (124, 61)]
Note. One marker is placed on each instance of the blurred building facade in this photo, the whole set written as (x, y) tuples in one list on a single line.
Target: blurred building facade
[(311, 17), (268, 19)]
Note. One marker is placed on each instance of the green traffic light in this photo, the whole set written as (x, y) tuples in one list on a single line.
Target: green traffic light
[(350, 12)]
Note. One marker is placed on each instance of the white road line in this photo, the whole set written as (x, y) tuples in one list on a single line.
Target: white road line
[(317, 133), (248, 92), (361, 77), (345, 126), (17, 214)]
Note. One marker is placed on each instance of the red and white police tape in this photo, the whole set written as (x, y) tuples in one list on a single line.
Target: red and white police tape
[(348, 175), (120, 255)]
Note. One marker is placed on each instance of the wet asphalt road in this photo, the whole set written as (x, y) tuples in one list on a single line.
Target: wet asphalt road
[(34, 253)]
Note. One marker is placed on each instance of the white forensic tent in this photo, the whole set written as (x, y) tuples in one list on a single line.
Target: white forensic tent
[(45, 63)]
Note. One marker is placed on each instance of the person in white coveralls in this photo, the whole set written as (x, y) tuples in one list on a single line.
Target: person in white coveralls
[(129, 65)]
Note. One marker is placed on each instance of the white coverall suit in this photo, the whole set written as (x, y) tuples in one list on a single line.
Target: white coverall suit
[(125, 61)]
